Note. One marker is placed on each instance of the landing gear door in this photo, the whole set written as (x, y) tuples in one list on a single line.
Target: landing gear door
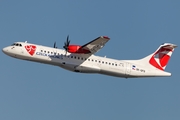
[(128, 69)]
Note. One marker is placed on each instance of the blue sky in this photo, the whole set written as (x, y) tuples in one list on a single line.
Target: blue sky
[(34, 91)]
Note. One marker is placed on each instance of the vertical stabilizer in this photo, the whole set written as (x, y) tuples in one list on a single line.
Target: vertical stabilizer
[(159, 59)]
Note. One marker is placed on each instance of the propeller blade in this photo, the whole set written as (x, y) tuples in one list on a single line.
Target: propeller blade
[(67, 41), (66, 44), (67, 38), (54, 44), (66, 52)]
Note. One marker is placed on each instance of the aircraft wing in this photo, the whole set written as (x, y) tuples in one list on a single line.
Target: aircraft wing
[(96, 44)]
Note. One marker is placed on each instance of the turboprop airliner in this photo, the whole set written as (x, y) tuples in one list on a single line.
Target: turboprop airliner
[(81, 59)]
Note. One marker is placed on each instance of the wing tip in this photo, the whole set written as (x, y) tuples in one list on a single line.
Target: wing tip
[(105, 37)]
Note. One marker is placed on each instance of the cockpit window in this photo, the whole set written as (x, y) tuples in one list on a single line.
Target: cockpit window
[(16, 44)]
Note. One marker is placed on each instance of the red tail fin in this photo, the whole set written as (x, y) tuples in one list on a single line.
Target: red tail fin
[(161, 56)]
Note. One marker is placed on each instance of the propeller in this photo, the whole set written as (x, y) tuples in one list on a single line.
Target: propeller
[(66, 44), (55, 45)]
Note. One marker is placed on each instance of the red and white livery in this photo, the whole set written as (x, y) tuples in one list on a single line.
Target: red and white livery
[(81, 59)]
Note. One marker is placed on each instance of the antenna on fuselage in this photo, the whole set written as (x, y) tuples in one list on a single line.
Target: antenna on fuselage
[(25, 41)]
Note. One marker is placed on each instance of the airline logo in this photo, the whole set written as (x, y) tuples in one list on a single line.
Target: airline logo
[(30, 49), (160, 58)]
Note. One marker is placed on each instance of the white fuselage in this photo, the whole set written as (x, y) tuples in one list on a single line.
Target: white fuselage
[(83, 63)]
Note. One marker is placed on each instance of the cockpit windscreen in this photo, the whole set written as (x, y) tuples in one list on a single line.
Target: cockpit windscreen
[(16, 44)]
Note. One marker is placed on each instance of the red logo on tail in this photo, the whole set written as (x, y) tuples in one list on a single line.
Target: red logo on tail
[(160, 58), (31, 49)]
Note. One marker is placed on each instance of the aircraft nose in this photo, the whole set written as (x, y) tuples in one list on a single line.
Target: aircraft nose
[(5, 50)]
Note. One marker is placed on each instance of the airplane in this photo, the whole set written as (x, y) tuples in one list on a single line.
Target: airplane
[(81, 59)]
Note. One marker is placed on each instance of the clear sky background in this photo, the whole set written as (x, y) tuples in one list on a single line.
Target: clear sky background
[(33, 91)]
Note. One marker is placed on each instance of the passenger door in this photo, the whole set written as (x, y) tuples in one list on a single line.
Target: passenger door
[(128, 68)]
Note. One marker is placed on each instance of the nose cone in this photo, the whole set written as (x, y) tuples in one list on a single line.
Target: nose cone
[(5, 50)]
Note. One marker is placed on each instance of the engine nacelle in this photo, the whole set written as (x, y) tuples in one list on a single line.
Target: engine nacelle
[(77, 49)]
